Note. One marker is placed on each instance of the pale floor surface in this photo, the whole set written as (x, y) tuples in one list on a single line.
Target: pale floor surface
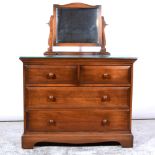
[(143, 131)]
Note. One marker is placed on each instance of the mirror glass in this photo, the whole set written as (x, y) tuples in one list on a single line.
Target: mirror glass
[(77, 25)]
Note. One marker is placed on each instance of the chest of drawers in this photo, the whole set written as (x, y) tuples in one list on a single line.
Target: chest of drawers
[(77, 99)]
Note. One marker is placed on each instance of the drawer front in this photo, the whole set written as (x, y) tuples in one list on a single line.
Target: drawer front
[(78, 120), (78, 97), (51, 74), (105, 74)]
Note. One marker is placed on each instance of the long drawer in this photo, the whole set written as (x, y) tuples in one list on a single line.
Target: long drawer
[(50, 97), (63, 120)]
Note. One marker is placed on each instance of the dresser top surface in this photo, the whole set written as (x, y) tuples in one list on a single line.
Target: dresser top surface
[(79, 57)]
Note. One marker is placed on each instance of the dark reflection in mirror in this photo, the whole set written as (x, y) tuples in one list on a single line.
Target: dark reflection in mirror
[(77, 25)]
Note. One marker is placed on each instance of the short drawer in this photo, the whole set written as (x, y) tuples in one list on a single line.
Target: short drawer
[(50, 74), (78, 120), (50, 97), (105, 74)]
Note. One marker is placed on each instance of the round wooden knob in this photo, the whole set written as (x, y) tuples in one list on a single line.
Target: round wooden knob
[(104, 122), (51, 122), (51, 76), (106, 76), (51, 98), (105, 98)]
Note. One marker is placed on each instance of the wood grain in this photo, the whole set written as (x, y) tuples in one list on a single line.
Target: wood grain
[(41, 74), (53, 29), (77, 100), (101, 97), (105, 74), (77, 120)]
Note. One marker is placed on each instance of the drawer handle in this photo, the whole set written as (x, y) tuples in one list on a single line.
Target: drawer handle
[(105, 98), (51, 76), (104, 122), (106, 76), (51, 98), (51, 122)]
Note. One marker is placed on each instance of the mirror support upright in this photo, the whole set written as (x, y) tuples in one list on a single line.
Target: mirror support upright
[(50, 39), (103, 44)]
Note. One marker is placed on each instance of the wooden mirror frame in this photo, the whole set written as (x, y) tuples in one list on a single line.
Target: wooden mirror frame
[(53, 30)]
